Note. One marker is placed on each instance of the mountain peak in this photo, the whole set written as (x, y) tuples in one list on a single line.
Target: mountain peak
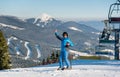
[(45, 17)]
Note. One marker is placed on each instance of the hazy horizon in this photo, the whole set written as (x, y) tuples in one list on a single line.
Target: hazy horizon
[(62, 9)]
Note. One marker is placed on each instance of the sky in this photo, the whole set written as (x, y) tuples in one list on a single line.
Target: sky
[(68, 9)]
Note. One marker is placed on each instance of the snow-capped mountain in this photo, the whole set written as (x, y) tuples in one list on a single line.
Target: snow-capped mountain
[(44, 20), (32, 42)]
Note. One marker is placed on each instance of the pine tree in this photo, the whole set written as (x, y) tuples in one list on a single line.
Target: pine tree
[(4, 53), (57, 56), (43, 62), (48, 60), (53, 56)]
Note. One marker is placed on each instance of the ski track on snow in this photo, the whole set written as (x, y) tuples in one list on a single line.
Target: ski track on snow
[(38, 51), (28, 50)]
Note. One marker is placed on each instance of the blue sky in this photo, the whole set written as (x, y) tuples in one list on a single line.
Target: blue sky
[(72, 9)]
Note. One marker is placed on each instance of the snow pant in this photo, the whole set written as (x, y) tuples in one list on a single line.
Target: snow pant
[(64, 57)]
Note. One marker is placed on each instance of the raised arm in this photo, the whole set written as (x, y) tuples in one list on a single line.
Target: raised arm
[(57, 35)]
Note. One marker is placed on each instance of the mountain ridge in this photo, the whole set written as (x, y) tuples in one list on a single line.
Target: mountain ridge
[(82, 36)]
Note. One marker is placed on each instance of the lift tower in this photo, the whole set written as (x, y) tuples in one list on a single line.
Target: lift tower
[(114, 20), (112, 26)]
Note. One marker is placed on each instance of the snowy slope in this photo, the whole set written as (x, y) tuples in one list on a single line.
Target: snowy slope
[(81, 68), (11, 26)]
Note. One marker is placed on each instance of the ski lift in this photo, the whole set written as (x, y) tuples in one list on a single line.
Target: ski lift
[(114, 20), (114, 13), (105, 36), (112, 26), (103, 50)]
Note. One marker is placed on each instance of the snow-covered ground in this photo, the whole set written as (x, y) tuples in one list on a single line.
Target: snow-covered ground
[(80, 68)]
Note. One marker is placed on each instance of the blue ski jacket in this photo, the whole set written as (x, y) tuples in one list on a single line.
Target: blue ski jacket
[(64, 41)]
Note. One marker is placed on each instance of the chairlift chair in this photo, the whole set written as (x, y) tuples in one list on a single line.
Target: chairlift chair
[(114, 13)]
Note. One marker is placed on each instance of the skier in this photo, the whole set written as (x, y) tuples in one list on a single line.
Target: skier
[(65, 43)]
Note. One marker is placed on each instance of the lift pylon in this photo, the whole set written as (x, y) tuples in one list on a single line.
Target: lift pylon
[(112, 26)]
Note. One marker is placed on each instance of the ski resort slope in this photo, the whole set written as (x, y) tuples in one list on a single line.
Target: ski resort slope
[(80, 68)]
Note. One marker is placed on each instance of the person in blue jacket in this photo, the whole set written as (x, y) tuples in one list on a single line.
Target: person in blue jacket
[(65, 43)]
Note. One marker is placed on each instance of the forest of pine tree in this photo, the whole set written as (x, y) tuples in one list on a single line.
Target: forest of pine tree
[(53, 58), (4, 53)]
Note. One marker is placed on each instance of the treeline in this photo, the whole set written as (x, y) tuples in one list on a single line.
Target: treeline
[(53, 58)]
